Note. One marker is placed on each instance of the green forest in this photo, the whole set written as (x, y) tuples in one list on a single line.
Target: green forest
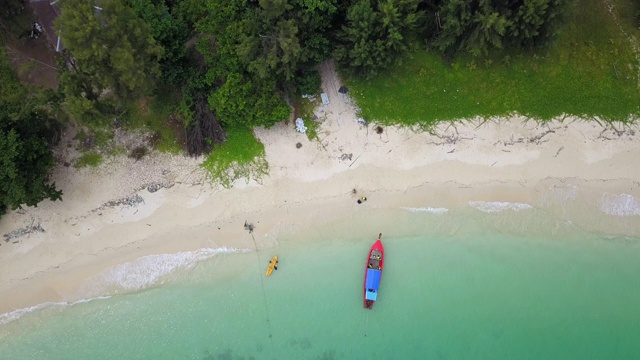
[(209, 71)]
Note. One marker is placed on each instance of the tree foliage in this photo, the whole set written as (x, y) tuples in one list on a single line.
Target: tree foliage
[(169, 30), (9, 8), (268, 42), (25, 134), (243, 88), (314, 19), (112, 47), (257, 53), (480, 26), (244, 102), (11, 18), (534, 22), (377, 34), (278, 38)]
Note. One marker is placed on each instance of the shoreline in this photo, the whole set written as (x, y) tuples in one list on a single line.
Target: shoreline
[(505, 160), (64, 278)]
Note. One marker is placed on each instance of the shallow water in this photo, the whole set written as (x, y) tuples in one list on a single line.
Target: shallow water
[(483, 280)]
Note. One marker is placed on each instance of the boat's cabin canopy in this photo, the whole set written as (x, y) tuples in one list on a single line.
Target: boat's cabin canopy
[(372, 284)]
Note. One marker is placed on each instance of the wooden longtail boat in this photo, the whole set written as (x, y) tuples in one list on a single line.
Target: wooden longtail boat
[(373, 274)]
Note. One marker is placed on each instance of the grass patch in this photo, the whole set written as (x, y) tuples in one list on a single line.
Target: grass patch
[(242, 155), (89, 159), (155, 114), (94, 136), (589, 71)]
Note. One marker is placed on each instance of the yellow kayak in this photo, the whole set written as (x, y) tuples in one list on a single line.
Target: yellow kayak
[(273, 264)]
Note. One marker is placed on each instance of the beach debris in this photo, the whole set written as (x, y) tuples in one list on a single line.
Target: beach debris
[(450, 139), (126, 201), (558, 152), (361, 121), (155, 186), (248, 226), (311, 98), (609, 133), (379, 130), (36, 30), (298, 145), (521, 140), (362, 199), (537, 139), (343, 90), (325, 98), (354, 161), (344, 157), (88, 142), (300, 125), (138, 152), (22, 232)]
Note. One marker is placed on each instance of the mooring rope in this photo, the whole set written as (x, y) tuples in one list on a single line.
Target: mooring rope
[(366, 325), (264, 292)]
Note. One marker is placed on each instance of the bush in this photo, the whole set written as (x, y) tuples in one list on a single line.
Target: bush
[(309, 82), (88, 159)]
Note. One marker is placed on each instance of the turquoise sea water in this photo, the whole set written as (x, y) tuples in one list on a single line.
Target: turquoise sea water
[(467, 283)]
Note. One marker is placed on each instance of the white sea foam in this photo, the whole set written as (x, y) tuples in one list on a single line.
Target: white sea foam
[(147, 270), (620, 205), (16, 314), (497, 206), (560, 195), (427, 209), (135, 275), (566, 193)]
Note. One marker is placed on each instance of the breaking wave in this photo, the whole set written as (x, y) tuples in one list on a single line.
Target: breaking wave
[(620, 205), (16, 314), (427, 209), (134, 275), (497, 206), (147, 270)]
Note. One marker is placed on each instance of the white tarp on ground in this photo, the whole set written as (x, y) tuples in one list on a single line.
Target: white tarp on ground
[(325, 98), (300, 125)]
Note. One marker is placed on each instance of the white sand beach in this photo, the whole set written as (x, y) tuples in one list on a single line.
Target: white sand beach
[(500, 160)]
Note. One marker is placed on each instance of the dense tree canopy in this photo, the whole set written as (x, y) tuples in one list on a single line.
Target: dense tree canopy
[(258, 51), (269, 41), (250, 57), (244, 91), (377, 33), (169, 30), (255, 54), (25, 155), (479, 26), (111, 46)]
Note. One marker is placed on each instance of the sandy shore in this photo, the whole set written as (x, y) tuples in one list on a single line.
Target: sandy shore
[(109, 216)]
